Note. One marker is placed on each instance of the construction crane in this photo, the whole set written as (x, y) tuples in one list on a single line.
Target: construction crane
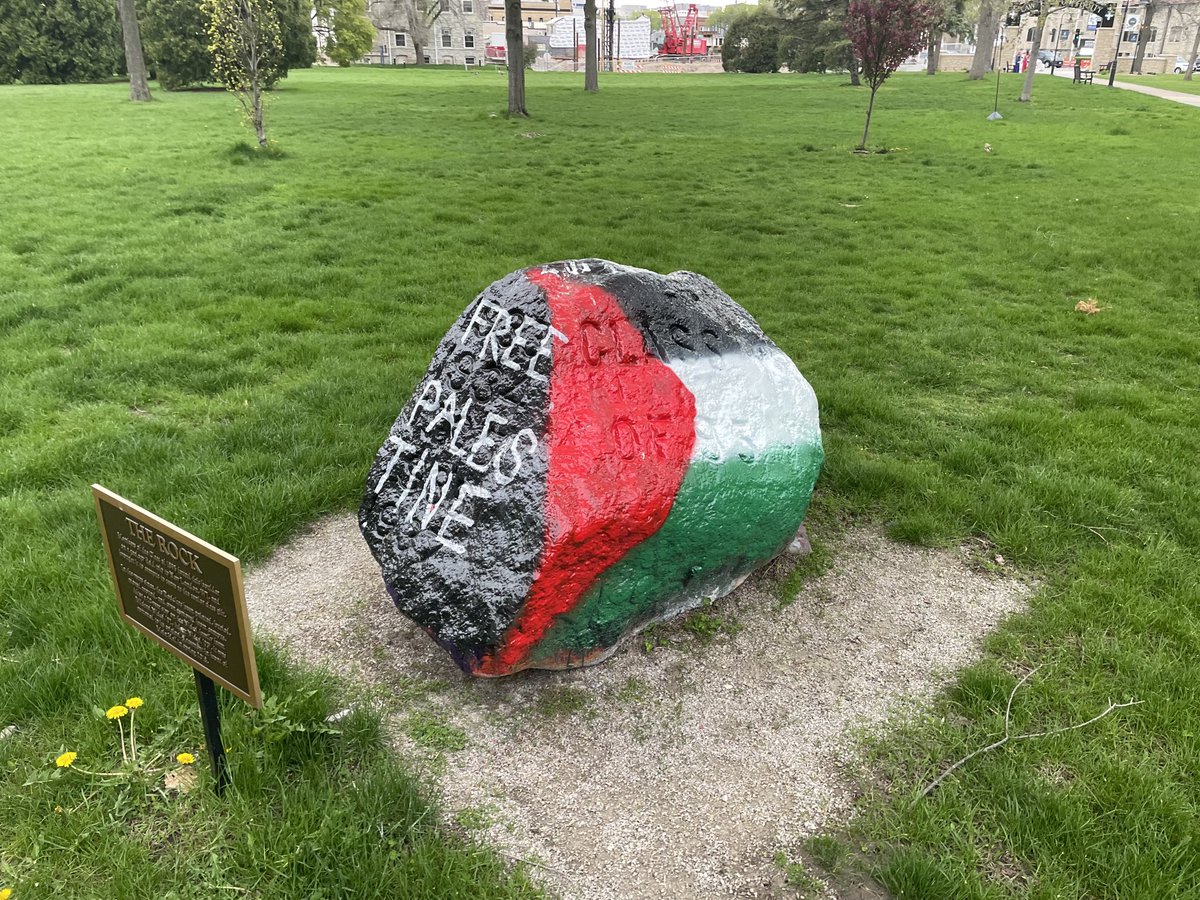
[(681, 39)]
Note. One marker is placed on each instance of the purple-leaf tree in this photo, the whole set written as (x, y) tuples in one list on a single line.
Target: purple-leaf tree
[(883, 34)]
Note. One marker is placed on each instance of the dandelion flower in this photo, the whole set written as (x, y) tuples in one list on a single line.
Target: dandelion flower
[(114, 712), (5, 893), (133, 702), (63, 761), (185, 758)]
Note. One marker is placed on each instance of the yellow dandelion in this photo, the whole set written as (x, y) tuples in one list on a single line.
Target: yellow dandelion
[(133, 702), (64, 760), (184, 758), (5, 893), (114, 712)]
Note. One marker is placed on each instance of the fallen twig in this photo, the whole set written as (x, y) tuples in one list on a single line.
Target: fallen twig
[(1008, 736)]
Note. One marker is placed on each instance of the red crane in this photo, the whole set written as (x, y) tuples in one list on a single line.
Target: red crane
[(681, 40)]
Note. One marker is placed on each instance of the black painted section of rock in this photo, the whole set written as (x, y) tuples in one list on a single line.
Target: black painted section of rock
[(466, 600), (681, 315)]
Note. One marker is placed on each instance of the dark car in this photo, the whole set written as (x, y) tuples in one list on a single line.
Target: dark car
[(1046, 58)]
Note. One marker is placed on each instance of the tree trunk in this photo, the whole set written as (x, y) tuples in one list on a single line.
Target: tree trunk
[(139, 90), (260, 129), (1135, 68), (591, 78), (419, 50), (514, 39), (854, 79), (867, 126), (931, 51), (985, 39), (1191, 60), (1027, 90)]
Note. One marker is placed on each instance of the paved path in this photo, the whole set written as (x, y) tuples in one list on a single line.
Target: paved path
[(1102, 80)]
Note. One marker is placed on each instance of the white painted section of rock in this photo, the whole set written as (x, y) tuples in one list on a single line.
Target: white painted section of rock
[(748, 403)]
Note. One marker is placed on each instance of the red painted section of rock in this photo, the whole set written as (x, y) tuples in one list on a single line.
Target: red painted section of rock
[(620, 436)]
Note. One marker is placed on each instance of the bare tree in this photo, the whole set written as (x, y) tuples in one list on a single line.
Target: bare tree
[(514, 38), (1190, 65), (591, 78), (985, 38), (1139, 53), (1027, 88), (139, 88), (417, 18)]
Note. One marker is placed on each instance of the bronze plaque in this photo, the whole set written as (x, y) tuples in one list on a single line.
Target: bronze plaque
[(180, 591)]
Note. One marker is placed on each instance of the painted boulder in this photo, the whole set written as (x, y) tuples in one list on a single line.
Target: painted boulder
[(593, 448)]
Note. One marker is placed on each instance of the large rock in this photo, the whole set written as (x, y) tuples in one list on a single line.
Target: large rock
[(593, 448)]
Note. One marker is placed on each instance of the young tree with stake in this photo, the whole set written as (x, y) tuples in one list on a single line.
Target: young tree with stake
[(883, 34)]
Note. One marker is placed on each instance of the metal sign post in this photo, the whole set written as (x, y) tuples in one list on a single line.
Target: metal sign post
[(187, 596)]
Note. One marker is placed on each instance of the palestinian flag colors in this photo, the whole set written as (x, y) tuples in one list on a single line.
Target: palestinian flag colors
[(594, 448)]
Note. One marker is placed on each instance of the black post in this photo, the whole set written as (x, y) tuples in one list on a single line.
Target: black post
[(210, 715), (997, 55), (1112, 70)]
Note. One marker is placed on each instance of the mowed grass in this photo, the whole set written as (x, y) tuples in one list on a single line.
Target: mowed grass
[(1168, 82), (226, 340)]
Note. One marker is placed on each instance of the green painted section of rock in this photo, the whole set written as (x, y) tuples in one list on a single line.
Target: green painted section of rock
[(728, 519)]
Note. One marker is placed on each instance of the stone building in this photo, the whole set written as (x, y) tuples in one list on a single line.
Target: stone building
[(453, 32), (1168, 29)]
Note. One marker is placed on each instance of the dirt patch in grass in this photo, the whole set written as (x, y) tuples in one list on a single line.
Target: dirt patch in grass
[(683, 764)]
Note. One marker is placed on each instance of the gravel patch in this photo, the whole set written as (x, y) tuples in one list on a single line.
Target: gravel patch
[(678, 767)]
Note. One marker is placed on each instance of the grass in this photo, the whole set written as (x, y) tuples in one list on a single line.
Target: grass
[(225, 339), (1168, 82)]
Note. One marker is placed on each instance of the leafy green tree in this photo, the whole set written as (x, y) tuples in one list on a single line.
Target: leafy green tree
[(247, 51), (653, 15), (819, 42), (351, 34), (59, 41), (726, 15), (175, 34), (752, 44), (296, 34)]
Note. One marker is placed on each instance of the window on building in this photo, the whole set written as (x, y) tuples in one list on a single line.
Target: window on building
[(401, 39), (1130, 37), (447, 41), (445, 5), (1175, 34), (1152, 36), (426, 59), (1029, 34), (470, 60), (469, 41), (468, 6), (1064, 34)]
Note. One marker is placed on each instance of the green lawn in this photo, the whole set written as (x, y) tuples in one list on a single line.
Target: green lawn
[(1168, 82), (226, 339)]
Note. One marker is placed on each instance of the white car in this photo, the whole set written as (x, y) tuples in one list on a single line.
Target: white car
[(1181, 64)]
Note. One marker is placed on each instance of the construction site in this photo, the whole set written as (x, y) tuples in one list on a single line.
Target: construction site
[(469, 33)]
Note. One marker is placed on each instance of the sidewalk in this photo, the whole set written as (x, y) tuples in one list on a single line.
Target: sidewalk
[(1102, 80)]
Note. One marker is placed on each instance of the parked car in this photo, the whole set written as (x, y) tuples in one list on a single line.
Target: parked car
[(1046, 58), (1181, 64)]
